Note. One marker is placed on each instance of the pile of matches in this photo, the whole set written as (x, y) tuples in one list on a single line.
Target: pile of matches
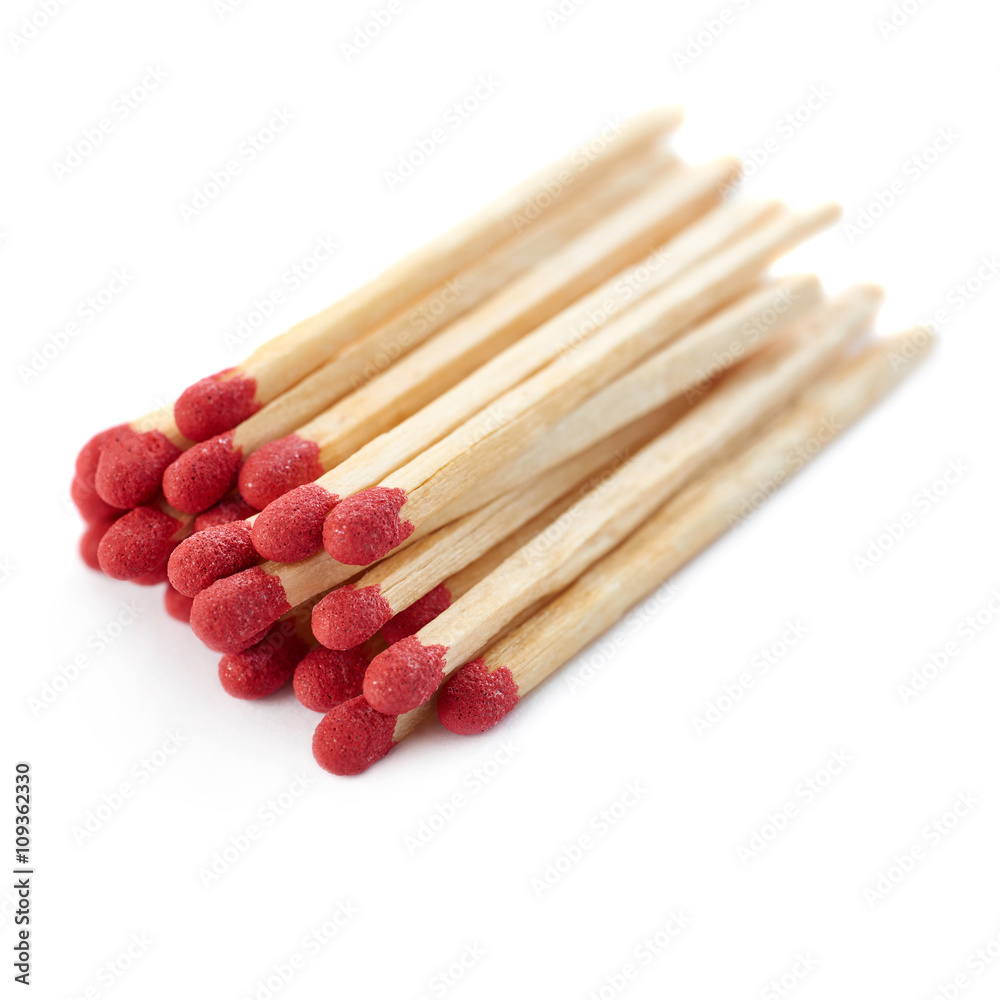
[(586, 379)]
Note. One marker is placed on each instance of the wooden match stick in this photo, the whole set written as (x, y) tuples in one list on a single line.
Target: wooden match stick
[(670, 374), (218, 404), (599, 253), (407, 674), (291, 539), (202, 475), (485, 690), (648, 387), (507, 426)]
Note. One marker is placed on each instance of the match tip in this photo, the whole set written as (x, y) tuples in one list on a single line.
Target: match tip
[(229, 615), (326, 677), (233, 509), (278, 467), (476, 698), (131, 467), (202, 475), (138, 544), (264, 667), (215, 405), (91, 507), (90, 454), (291, 528), (422, 611), (177, 605), (210, 555), (364, 527), (350, 615), (404, 676), (352, 737)]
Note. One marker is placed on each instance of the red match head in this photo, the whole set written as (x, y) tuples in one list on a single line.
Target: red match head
[(92, 508), (178, 606), (90, 453), (291, 528), (363, 527), (138, 544), (352, 737), (230, 615), (349, 615), (265, 666), (411, 620), (234, 508), (475, 698), (325, 677), (215, 405), (278, 467), (130, 469), (210, 555), (202, 475), (404, 676)]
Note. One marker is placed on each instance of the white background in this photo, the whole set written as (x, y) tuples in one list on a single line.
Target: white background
[(344, 841)]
